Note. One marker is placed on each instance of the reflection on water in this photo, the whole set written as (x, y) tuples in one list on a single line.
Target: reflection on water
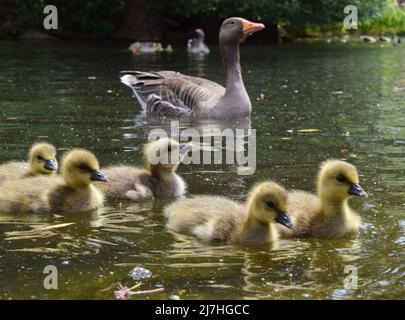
[(310, 103)]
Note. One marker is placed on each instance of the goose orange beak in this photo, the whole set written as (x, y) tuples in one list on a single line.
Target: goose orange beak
[(251, 27)]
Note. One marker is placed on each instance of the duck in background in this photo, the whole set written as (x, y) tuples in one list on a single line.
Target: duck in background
[(139, 47), (172, 94), (157, 180), (368, 39), (72, 193), (383, 38), (219, 219), (41, 160), (326, 214), (196, 45)]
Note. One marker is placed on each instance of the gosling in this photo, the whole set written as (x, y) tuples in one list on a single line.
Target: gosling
[(41, 160), (219, 219), (327, 214), (157, 180), (72, 193)]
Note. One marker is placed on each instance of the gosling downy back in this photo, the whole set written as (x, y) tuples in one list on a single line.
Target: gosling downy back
[(72, 193), (218, 219), (327, 214), (158, 179), (41, 160)]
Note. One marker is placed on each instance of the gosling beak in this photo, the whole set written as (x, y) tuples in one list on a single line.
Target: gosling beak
[(185, 147), (249, 27), (51, 165), (97, 175), (284, 219), (357, 190)]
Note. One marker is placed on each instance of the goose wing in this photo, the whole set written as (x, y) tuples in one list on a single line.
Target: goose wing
[(169, 93)]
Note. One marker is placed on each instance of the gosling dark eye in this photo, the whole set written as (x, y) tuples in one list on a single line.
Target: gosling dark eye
[(341, 178), (270, 204), (84, 167), (40, 158)]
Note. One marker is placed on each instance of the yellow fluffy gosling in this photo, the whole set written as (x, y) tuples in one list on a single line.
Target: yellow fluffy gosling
[(218, 219), (158, 179), (41, 160), (327, 214), (72, 193)]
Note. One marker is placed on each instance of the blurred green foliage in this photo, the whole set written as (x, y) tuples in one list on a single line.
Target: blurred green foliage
[(101, 18)]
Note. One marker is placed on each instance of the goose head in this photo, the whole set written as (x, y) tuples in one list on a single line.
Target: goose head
[(339, 180), (80, 168), (199, 33), (268, 204), (234, 30), (42, 158), (164, 155)]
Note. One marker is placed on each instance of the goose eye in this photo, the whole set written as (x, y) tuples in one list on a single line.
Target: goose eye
[(341, 178), (270, 204), (84, 167), (40, 158)]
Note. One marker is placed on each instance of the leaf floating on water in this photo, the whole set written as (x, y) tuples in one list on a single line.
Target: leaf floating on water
[(36, 232), (30, 236), (102, 241), (43, 137), (148, 291), (38, 250), (337, 92), (115, 140), (308, 130), (12, 118), (56, 226), (286, 138), (63, 149)]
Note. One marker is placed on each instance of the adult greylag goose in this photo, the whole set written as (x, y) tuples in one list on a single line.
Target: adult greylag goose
[(196, 45), (172, 94)]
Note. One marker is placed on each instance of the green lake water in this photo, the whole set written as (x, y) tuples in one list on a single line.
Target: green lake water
[(69, 93)]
